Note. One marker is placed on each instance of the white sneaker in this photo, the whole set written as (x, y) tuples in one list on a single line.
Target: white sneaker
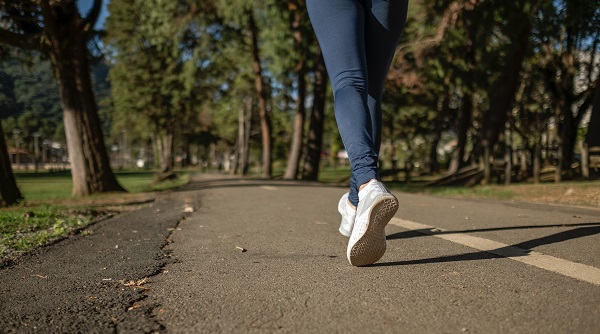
[(348, 215), (375, 209)]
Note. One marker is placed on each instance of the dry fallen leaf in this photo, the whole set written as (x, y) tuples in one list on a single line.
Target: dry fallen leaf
[(137, 283), (136, 306), (40, 276)]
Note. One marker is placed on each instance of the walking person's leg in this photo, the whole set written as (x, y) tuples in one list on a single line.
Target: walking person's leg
[(340, 29), (384, 23)]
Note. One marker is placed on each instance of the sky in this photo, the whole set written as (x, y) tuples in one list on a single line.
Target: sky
[(84, 7)]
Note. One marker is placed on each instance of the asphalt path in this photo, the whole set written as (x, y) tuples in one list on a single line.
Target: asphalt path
[(233, 255)]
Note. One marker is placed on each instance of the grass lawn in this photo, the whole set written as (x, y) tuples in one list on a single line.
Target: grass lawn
[(56, 186), (49, 212)]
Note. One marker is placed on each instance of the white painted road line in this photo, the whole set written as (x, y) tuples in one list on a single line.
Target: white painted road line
[(567, 268)]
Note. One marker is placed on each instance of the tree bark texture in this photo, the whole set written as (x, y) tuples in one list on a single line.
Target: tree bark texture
[(240, 143), (67, 50), (293, 162), (265, 118), (317, 116), (291, 171), (244, 118), (9, 192), (245, 148), (165, 147)]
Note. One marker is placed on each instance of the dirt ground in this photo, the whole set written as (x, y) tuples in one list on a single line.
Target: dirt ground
[(585, 194)]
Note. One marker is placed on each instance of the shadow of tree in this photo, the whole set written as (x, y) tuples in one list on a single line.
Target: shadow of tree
[(516, 250)]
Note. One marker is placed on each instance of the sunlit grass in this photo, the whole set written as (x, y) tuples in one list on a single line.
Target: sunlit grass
[(23, 228), (52, 186), (334, 174), (49, 212)]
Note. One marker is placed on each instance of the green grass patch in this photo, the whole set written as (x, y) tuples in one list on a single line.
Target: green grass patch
[(44, 186), (334, 175), (54, 186), (23, 228), (38, 221)]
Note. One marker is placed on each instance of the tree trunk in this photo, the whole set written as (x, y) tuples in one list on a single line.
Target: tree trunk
[(291, 171), (265, 118), (593, 132), (237, 160), (585, 168), (90, 166), (240, 142), (487, 171), (244, 122), (317, 117), (165, 144), (508, 158), (212, 156), (9, 192), (537, 163), (464, 123), (502, 92), (563, 116), (246, 144)]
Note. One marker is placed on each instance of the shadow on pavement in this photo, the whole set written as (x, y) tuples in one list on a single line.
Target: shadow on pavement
[(427, 232), (520, 249)]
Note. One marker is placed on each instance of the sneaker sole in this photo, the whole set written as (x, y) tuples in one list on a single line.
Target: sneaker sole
[(372, 244)]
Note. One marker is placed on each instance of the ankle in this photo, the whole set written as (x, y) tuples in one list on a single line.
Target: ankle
[(362, 186)]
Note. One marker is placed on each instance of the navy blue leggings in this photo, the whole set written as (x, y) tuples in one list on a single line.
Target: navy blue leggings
[(358, 39)]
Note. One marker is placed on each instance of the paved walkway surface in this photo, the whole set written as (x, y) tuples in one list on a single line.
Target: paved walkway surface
[(265, 256)]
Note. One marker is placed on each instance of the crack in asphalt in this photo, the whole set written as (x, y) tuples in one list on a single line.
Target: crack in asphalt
[(84, 290), (149, 310)]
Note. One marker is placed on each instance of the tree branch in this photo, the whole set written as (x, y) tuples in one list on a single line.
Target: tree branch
[(448, 20), (22, 41), (89, 22), (587, 103)]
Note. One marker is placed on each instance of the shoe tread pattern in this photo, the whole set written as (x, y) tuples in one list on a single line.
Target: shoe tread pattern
[(371, 246)]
